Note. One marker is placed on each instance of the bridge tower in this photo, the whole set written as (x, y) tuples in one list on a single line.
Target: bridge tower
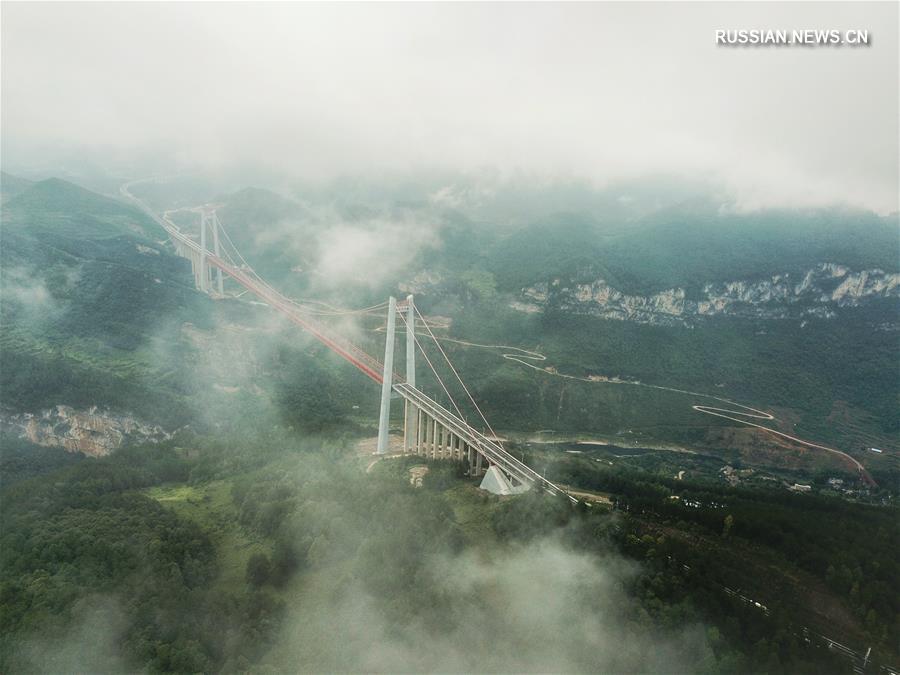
[(410, 416), (387, 379), (203, 272), (214, 220), (209, 224)]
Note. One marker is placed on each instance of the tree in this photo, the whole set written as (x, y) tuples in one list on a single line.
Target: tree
[(258, 570), (479, 284), (285, 562), (729, 522)]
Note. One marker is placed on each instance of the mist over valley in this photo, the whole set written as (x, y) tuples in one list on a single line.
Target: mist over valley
[(447, 338)]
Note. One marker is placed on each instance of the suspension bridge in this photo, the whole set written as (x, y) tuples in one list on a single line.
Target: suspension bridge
[(429, 429)]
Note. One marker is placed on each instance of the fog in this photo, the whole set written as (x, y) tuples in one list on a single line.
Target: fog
[(387, 585), (373, 254), (541, 608), (90, 644), (392, 134), (600, 92), (29, 292)]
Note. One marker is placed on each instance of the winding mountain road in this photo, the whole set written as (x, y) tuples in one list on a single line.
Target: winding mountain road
[(740, 413)]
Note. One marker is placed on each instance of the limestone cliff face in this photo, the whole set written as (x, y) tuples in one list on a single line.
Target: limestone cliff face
[(424, 282), (818, 292), (92, 432)]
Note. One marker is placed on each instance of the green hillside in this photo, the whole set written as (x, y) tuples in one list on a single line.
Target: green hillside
[(96, 314), (565, 246), (690, 246), (285, 545), (271, 231), (11, 185), (687, 247), (833, 377), (85, 286), (59, 208)]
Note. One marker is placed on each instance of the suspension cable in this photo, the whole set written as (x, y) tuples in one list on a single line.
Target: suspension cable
[(455, 372), (335, 311), (428, 361), (366, 310)]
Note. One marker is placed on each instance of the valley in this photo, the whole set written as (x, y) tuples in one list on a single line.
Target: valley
[(243, 436), (449, 337), (737, 413)]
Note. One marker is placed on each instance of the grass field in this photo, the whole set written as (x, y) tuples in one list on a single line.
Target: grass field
[(210, 506)]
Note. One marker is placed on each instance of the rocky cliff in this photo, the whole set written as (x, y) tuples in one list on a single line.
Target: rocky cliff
[(817, 292), (92, 432)]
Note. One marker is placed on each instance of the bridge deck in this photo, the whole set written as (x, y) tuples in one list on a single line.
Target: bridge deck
[(490, 449)]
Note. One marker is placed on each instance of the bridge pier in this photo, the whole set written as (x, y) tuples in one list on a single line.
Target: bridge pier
[(195, 266), (432, 439), (420, 432), (438, 431), (406, 427)]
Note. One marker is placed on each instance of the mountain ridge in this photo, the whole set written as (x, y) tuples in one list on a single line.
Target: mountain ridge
[(819, 292)]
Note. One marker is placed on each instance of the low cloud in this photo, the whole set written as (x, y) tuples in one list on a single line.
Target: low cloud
[(25, 289), (604, 91), (89, 644), (26, 296), (371, 253), (541, 608)]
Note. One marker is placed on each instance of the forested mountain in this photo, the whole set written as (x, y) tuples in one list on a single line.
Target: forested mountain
[(778, 307), (702, 297), (86, 283), (11, 185), (701, 243), (231, 518)]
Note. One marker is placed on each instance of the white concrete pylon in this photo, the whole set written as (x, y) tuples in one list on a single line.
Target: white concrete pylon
[(387, 383), (203, 273), (410, 419), (410, 341), (215, 232)]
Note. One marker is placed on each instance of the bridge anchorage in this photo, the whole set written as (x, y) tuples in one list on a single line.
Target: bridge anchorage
[(429, 429)]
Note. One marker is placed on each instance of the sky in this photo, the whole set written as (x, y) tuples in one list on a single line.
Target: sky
[(595, 91)]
